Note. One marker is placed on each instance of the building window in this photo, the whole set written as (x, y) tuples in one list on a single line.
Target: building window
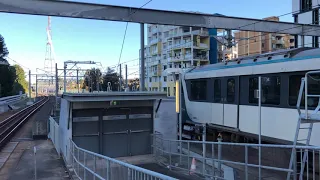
[(315, 16), (217, 90), (164, 67), (150, 79), (270, 90), (170, 65), (174, 91), (165, 89), (306, 5), (165, 78), (198, 90), (168, 91), (231, 89)]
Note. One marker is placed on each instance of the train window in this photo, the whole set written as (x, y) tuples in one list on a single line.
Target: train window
[(270, 90), (217, 90), (313, 89), (253, 85), (230, 90), (198, 90)]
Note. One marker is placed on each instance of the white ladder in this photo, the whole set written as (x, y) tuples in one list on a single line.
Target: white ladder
[(304, 118)]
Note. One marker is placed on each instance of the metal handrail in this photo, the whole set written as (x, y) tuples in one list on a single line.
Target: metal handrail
[(245, 144), (219, 160), (129, 166), (306, 91)]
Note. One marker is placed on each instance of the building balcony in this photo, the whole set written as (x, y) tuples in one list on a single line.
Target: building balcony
[(154, 41), (202, 58), (198, 32), (203, 45)]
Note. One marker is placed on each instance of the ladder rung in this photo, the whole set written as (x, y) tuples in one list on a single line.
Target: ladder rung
[(305, 128), (302, 139)]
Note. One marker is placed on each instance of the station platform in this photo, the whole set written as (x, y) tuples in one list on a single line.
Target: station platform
[(17, 159)]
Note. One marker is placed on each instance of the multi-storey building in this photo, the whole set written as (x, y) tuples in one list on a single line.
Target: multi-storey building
[(173, 47), (250, 43), (306, 12)]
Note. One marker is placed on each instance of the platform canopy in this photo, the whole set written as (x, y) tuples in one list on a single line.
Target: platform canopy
[(152, 16)]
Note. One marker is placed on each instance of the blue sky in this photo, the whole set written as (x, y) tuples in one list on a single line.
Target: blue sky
[(80, 39)]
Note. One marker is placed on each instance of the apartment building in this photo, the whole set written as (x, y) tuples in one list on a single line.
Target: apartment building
[(306, 12), (173, 47), (250, 43)]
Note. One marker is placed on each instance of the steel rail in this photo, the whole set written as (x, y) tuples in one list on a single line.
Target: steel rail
[(10, 125)]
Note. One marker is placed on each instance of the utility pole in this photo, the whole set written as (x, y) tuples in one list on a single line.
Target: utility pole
[(126, 76), (57, 82), (78, 80), (142, 74), (64, 77), (29, 84), (120, 82), (36, 85)]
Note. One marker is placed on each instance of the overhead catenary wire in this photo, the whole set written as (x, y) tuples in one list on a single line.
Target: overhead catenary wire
[(125, 32)]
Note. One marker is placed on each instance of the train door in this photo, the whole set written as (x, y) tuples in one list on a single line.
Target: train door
[(217, 105), (230, 89)]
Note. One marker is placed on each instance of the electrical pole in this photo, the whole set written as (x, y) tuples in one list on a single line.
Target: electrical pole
[(126, 76), (120, 82), (78, 80), (64, 77), (142, 74), (36, 85), (57, 82), (29, 84)]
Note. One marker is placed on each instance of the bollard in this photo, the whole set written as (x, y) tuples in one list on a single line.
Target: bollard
[(219, 154)]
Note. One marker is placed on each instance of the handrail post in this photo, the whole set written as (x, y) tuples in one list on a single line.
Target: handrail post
[(246, 162), (94, 167), (306, 95), (219, 156)]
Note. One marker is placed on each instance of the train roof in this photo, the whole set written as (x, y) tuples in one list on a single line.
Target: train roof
[(267, 58)]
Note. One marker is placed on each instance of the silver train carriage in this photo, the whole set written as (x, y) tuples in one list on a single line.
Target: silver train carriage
[(223, 95)]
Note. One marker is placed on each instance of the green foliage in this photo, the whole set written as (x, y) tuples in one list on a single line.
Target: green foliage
[(3, 48), (20, 83), (112, 77), (92, 79), (7, 79)]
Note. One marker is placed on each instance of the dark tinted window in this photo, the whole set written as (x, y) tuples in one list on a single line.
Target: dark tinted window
[(270, 90), (294, 87), (217, 90), (253, 85), (198, 90), (231, 90)]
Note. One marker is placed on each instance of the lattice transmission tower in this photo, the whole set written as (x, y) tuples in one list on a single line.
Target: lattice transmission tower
[(49, 61)]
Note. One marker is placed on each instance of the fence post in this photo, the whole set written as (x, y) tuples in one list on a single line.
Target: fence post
[(94, 167), (84, 163), (246, 162), (35, 162), (219, 154)]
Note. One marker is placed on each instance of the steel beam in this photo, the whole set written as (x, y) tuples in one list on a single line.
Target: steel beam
[(151, 16)]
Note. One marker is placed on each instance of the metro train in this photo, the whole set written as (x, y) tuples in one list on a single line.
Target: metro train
[(222, 95)]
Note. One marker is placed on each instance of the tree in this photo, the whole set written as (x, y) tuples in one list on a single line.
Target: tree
[(3, 48), (111, 77), (134, 84), (20, 83), (92, 79)]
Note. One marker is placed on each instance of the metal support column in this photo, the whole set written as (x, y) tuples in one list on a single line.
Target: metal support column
[(36, 85), (64, 77), (29, 84), (78, 80), (120, 78), (302, 41), (126, 76), (142, 86)]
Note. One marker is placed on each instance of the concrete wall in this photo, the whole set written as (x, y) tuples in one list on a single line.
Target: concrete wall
[(65, 132), (165, 121)]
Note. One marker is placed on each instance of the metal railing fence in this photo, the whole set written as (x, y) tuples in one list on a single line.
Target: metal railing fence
[(241, 158), (88, 165)]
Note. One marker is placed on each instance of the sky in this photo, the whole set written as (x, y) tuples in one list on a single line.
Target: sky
[(100, 41)]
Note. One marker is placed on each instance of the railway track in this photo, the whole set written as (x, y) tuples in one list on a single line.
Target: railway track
[(10, 125)]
